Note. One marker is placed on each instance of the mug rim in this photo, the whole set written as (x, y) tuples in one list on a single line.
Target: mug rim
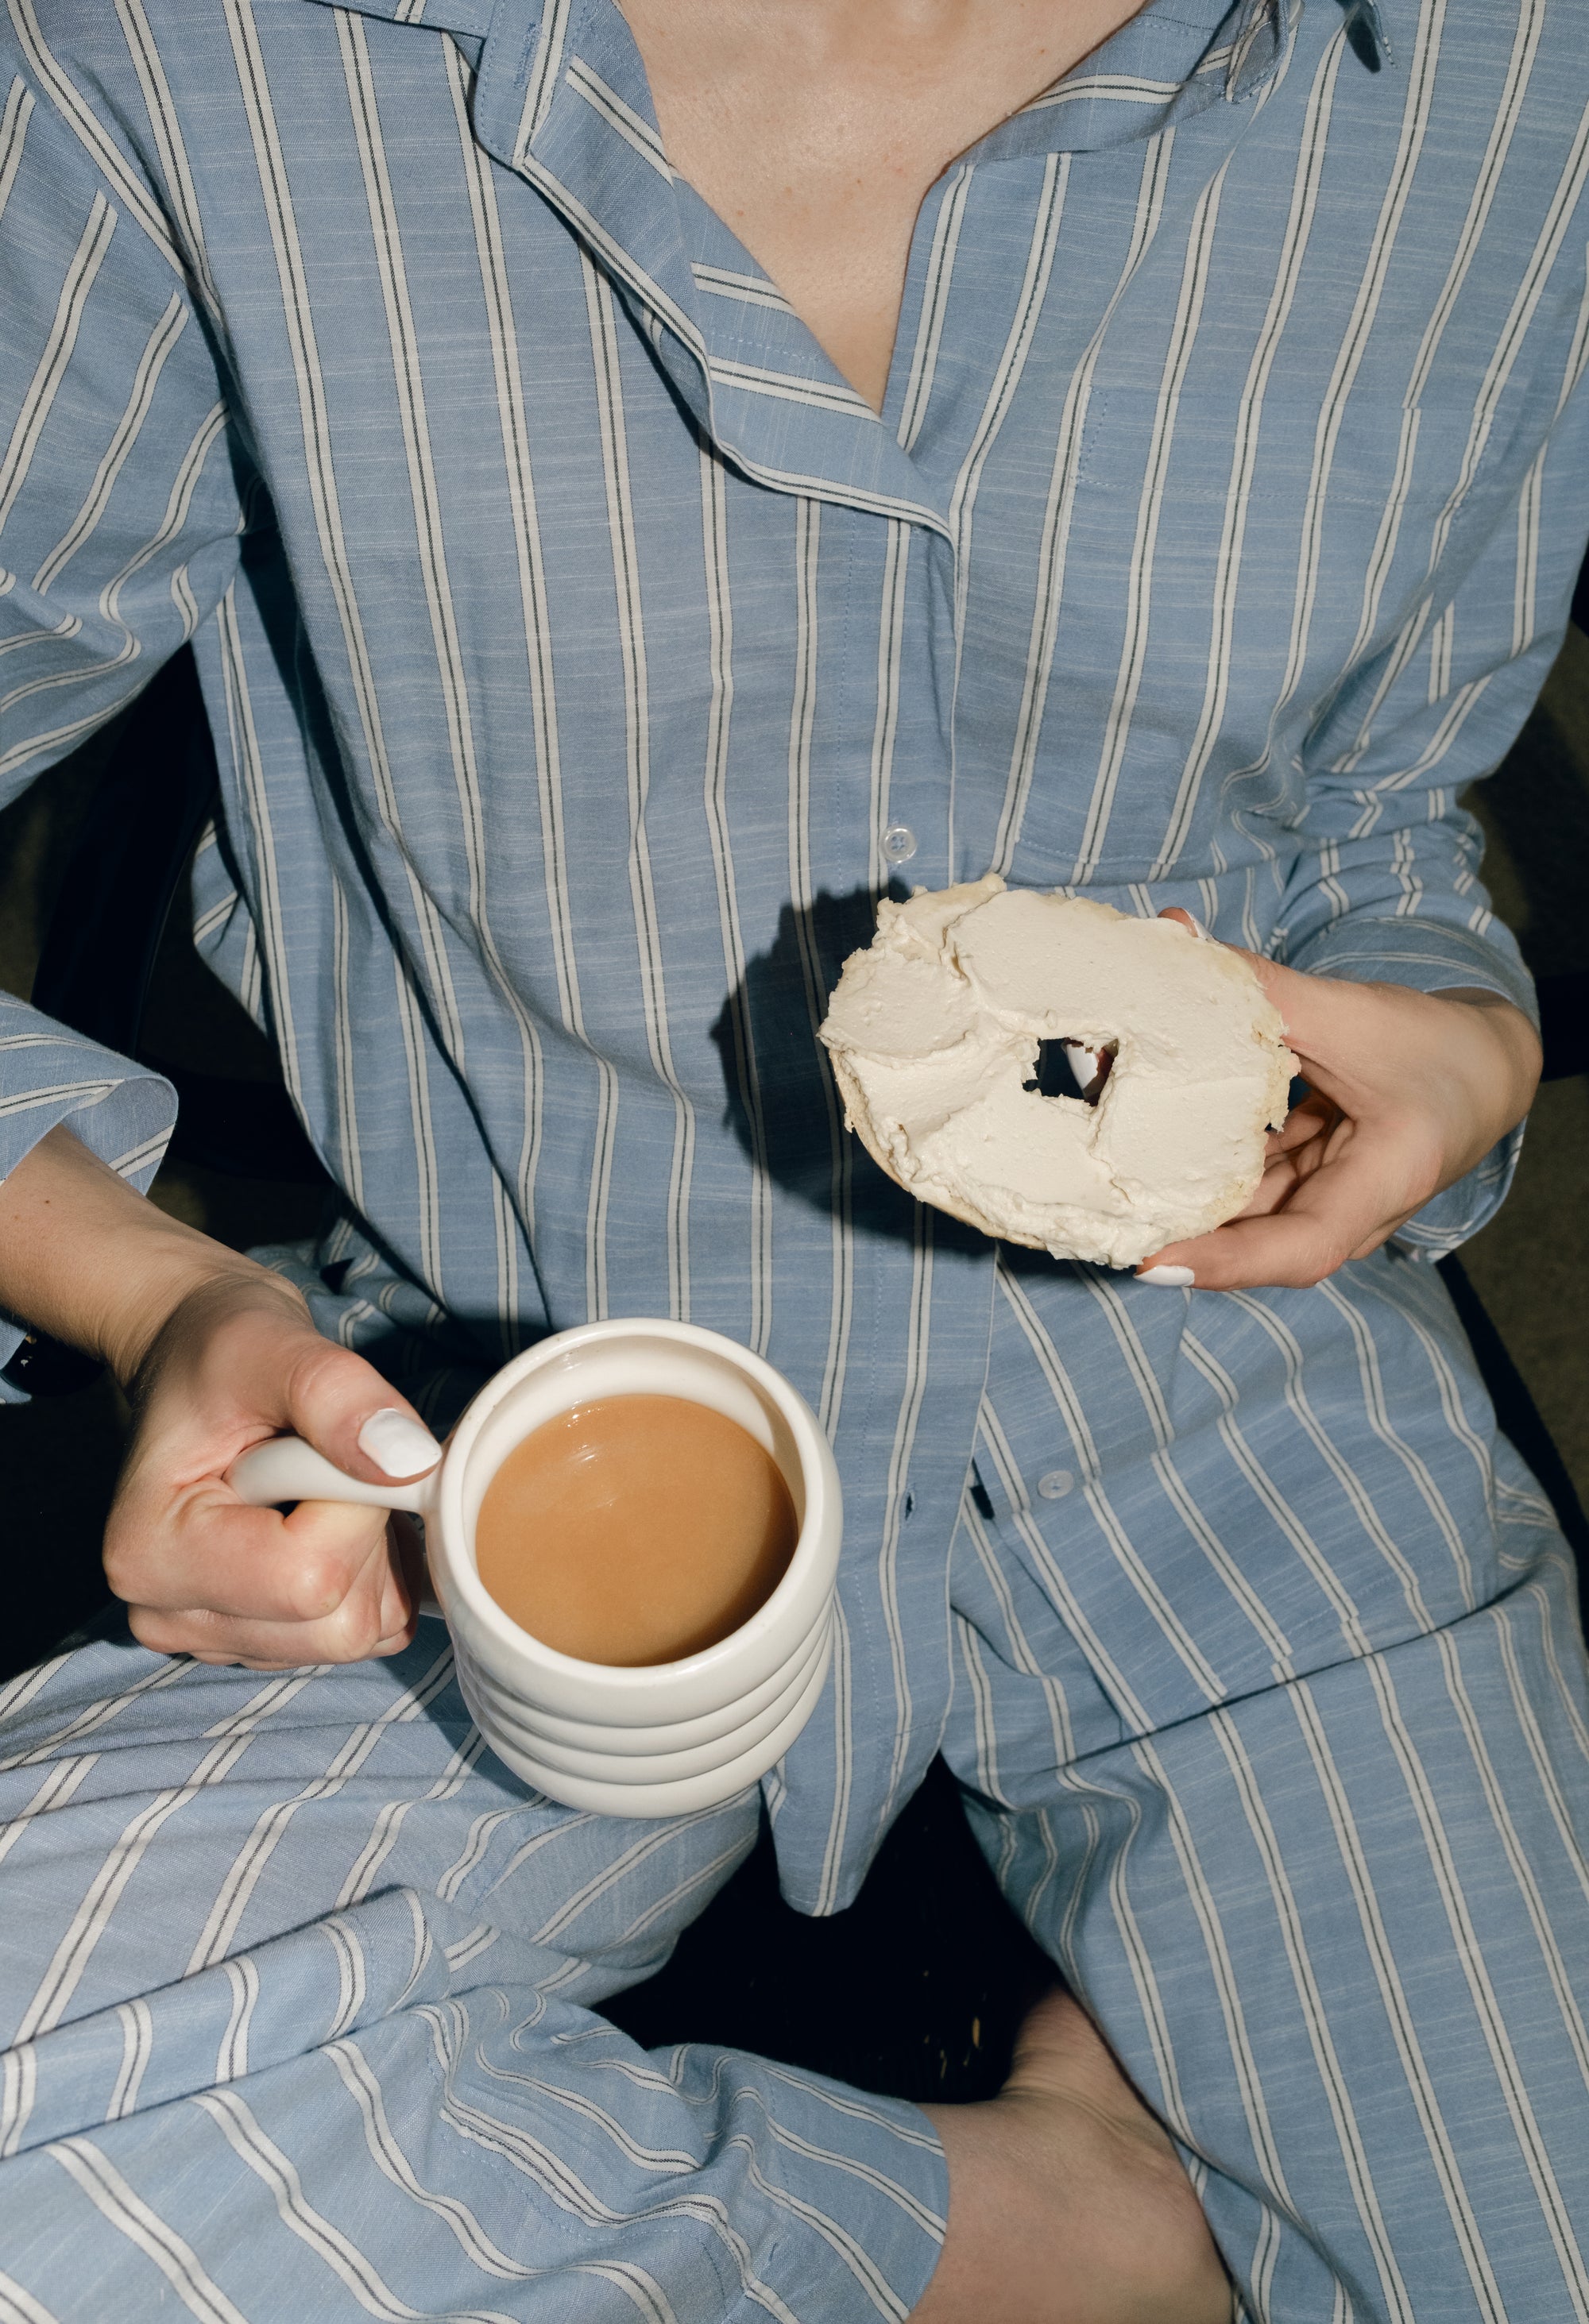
[(462, 1576)]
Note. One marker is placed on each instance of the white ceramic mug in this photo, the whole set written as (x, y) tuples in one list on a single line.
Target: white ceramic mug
[(663, 1739)]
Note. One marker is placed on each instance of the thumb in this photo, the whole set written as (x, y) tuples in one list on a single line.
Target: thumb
[(340, 1405), (1326, 1021)]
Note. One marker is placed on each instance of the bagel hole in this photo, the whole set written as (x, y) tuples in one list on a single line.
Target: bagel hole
[(1056, 1072)]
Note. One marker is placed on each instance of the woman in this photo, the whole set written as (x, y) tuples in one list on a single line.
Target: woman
[(636, 483)]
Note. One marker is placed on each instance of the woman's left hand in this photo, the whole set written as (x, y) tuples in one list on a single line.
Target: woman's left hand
[(1407, 1092)]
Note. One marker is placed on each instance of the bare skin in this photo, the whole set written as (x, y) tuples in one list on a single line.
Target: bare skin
[(1068, 2202), (1407, 1092), (814, 128), (216, 1353)]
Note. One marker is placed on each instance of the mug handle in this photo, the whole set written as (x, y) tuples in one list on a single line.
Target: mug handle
[(286, 1469)]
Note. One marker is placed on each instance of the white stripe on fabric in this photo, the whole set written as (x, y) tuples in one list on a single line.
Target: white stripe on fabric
[(1134, 646), (233, 1892), (1312, 147), (61, 1781), (1122, 89), (1524, 618), (39, 397), (18, 2305), (1184, 1502), (352, 2268), (1531, 23), (98, 1714), (1246, 2073), (1468, 1951), (841, 1682), (137, 2027), (631, 126), (52, 1996), (1352, 1485), (885, 723), (1332, 2072), (821, 394), (1110, 1677), (648, 930), (268, 918), (85, 124), (753, 289), (1177, 1636), (554, 2177), (231, 2063), (1000, 396), (394, 1814), (363, 2087), (546, 64), (935, 296), (1060, 506), (1400, 2017), (894, 1502), (298, 317), (1275, 1504), (407, 377), (183, 487), (1542, 259), (69, 626), (1021, 1652), (14, 129), (1414, 125), (746, 1071), (181, 191), (121, 2206)]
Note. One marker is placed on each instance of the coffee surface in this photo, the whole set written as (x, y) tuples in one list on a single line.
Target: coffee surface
[(635, 1529)]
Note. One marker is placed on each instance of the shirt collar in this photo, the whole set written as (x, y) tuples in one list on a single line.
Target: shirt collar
[(1173, 57), (561, 97), (1172, 60)]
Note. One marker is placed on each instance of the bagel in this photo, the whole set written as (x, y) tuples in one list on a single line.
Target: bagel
[(934, 1033)]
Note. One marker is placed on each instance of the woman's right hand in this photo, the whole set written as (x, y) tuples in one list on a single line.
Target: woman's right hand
[(237, 1359), (216, 1353)]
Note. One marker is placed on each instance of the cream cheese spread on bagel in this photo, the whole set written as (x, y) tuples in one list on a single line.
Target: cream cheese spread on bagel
[(934, 1033)]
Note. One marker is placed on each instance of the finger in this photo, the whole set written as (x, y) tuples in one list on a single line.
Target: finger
[(206, 1548), (1332, 1024), (1311, 1117), (1338, 1212), (1284, 1173), (342, 1406), (1274, 1189), (375, 1616), (265, 1370), (208, 1637)]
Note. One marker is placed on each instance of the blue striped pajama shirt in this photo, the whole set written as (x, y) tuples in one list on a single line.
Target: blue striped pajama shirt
[(583, 655)]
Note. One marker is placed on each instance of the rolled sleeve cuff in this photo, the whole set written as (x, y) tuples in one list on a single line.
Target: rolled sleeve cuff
[(1428, 956), (1431, 956), (120, 1111)]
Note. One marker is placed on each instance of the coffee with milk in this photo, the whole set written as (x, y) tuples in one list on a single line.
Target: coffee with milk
[(635, 1529)]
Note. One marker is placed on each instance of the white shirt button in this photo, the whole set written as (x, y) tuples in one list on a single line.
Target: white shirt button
[(898, 843), (1055, 1483)]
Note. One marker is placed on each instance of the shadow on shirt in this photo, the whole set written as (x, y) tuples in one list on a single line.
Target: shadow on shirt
[(782, 1103)]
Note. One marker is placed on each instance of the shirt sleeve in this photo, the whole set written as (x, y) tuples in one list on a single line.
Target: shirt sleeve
[(1386, 887), (120, 515)]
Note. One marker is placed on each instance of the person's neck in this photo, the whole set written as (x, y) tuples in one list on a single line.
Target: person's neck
[(814, 127)]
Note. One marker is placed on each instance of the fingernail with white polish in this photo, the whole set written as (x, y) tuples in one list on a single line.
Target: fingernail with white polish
[(397, 1445), (1198, 930), (1176, 1277)]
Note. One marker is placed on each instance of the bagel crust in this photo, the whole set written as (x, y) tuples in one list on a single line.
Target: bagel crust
[(933, 1031)]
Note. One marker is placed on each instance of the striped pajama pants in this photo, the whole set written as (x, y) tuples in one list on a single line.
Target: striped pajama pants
[(302, 1989)]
